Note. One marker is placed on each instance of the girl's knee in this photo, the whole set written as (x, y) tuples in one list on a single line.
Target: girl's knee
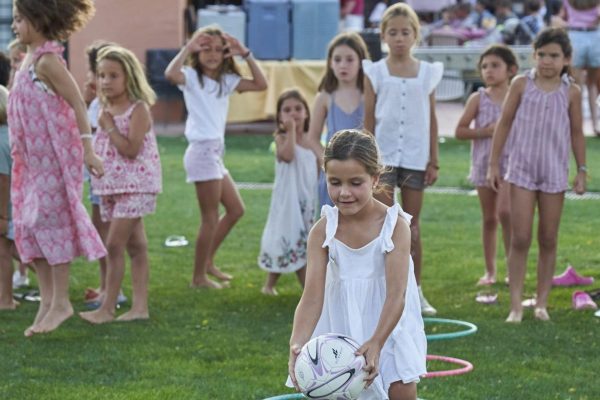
[(403, 391), (115, 247), (137, 246), (237, 213), (520, 242), (490, 222), (210, 219), (547, 242)]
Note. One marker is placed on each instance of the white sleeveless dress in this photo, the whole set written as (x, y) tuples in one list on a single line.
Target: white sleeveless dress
[(291, 215), (354, 296)]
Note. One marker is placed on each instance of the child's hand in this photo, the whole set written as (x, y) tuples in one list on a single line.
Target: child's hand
[(93, 164), (370, 350), (234, 47), (294, 351), (579, 182), (493, 177), (199, 42), (431, 173), (106, 120), (490, 128), (289, 125)]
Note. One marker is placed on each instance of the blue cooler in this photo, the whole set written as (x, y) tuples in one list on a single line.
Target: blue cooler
[(314, 24), (269, 29), (230, 19)]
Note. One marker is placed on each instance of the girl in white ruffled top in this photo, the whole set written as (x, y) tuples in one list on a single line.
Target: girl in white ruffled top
[(400, 112), (360, 280)]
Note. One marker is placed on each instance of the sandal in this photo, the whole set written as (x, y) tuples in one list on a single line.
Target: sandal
[(486, 298), (176, 241)]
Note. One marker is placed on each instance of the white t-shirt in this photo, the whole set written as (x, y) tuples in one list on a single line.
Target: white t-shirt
[(93, 113), (402, 113), (206, 107)]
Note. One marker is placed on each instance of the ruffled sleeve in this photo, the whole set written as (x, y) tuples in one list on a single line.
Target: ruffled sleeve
[(390, 223), (435, 75), (48, 47), (331, 215)]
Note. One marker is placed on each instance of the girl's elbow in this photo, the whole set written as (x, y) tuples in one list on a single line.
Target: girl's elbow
[(261, 85)]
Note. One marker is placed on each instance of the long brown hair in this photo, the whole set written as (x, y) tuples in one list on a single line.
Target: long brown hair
[(329, 83), (228, 66)]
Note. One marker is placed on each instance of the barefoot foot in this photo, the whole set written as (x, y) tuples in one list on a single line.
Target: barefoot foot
[(99, 316), (486, 280), (217, 273), (13, 304), (515, 316), (540, 313), (269, 291), (53, 319), (205, 284), (133, 315)]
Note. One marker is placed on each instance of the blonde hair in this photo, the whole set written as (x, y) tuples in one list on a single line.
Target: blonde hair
[(402, 10), (16, 44), (136, 83), (228, 66), (3, 105)]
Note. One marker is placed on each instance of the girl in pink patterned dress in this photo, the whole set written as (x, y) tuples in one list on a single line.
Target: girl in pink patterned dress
[(542, 114), (126, 142), (497, 66), (50, 140)]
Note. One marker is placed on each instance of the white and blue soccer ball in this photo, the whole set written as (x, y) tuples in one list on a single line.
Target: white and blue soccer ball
[(327, 368)]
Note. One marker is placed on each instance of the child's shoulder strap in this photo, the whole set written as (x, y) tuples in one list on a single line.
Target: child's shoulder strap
[(131, 108), (48, 47), (389, 225), (331, 216)]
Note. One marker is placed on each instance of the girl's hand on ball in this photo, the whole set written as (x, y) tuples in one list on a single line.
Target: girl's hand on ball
[(294, 351), (370, 350)]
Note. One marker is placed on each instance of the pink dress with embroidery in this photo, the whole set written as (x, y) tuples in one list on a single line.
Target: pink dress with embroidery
[(124, 175), (47, 174)]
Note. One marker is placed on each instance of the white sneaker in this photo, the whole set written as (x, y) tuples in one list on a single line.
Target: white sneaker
[(426, 308), (121, 298), (19, 280)]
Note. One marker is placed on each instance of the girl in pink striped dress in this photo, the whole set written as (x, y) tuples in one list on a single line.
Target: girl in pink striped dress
[(497, 65), (50, 139), (543, 108)]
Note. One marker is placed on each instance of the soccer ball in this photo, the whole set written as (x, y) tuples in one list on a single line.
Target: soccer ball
[(327, 368)]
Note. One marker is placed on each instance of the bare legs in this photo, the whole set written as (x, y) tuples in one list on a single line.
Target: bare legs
[(523, 207), (494, 207), (55, 306), (124, 234), (6, 272), (272, 278), (213, 229), (402, 391)]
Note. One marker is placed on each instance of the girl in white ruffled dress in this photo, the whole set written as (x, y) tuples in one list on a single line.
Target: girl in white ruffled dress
[(360, 280), (293, 202)]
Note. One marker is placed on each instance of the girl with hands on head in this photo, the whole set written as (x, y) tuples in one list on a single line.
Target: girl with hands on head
[(206, 72), (360, 276)]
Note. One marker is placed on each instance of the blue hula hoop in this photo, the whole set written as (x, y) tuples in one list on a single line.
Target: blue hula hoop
[(287, 397), (471, 329)]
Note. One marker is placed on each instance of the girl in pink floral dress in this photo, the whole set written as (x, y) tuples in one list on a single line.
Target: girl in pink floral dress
[(50, 140), (125, 140)]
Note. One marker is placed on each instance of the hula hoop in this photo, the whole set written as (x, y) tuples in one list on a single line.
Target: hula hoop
[(287, 397), (471, 329), (466, 366)]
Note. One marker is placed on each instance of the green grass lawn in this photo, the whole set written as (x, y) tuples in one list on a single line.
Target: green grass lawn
[(232, 344)]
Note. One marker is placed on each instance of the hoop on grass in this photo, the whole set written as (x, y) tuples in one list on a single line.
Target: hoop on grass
[(471, 329), (466, 366), (287, 397)]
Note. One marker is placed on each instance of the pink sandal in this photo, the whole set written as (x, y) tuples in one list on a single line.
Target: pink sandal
[(583, 301)]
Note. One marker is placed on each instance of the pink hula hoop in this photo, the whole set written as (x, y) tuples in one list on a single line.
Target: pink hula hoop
[(466, 366)]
